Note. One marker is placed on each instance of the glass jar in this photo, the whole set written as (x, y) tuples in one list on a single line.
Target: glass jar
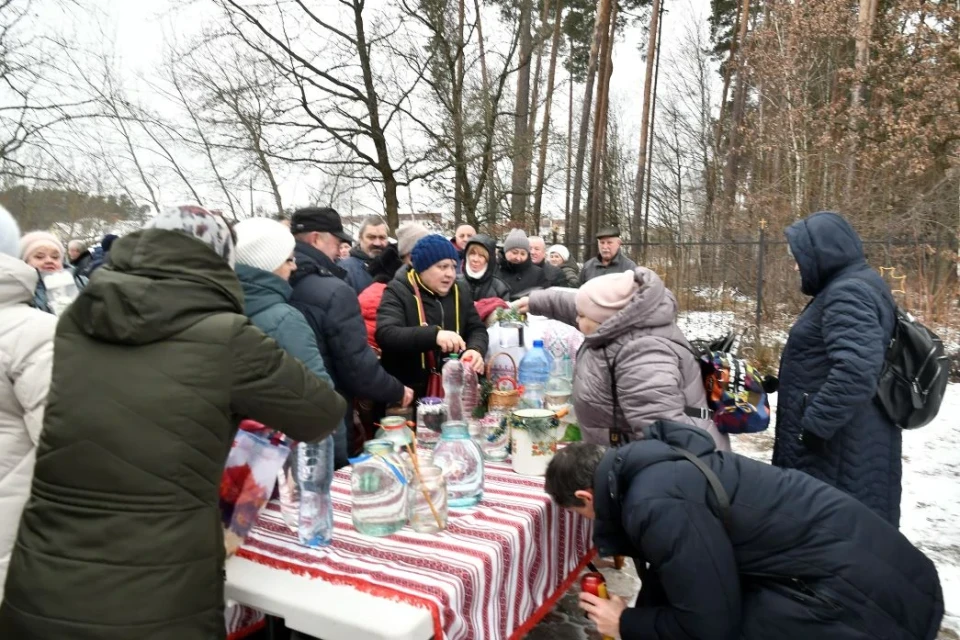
[(462, 463), (378, 488), (431, 414), (395, 429), (427, 498), (557, 393)]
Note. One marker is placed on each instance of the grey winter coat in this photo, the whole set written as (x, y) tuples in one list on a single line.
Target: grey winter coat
[(657, 375)]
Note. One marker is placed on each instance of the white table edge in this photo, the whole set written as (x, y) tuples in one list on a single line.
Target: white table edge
[(344, 613)]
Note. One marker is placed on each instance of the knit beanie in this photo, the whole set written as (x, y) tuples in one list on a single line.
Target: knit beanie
[(560, 250), (516, 239), (210, 229), (601, 298), (408, 235), (36, 239), (263, 243), (430, 250), (9, 234)]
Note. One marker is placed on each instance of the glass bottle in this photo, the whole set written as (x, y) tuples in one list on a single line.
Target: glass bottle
[(559, 387), (532, 397), (462, 463), (427, 498), (395, 430), (378, 488)]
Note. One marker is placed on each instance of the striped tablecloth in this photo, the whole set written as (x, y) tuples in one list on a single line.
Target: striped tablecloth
[(494, 573)]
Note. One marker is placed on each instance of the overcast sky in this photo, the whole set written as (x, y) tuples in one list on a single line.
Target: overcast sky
[(140, 29)]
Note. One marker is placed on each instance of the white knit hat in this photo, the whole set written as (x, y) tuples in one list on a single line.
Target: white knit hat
[(9, 234), (560, 250), (32, 241), (263, 243)]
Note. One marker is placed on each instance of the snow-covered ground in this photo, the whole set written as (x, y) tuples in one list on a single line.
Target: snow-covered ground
[(930, 507)]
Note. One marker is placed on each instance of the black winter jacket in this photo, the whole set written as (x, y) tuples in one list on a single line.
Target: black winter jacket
[(571, 274), (798, 560), (830, 368), (405, 343), (330, 306), (522, 278), (489, 285)]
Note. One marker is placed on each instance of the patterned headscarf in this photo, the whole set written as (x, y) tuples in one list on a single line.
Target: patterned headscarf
[(209, 228)]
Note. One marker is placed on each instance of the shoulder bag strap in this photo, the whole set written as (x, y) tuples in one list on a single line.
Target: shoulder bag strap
[(723, 500), (618, 437)]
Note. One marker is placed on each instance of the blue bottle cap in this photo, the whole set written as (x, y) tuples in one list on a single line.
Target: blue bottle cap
[(538, 344)]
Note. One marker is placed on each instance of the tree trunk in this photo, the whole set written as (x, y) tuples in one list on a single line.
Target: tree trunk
[(653, 120), (640, 230), (566, 206), (603, 11), (865, 19), (521, 166), (731, 169), (461, 187), (544, 133), (594, 177)]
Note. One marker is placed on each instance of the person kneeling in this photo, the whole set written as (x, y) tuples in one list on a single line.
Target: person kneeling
[(728, 547)]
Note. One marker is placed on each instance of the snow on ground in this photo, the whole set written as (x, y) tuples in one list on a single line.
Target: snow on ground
[(930, 507)]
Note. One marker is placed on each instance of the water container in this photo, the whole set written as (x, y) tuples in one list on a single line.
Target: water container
[(452, 374), (61, 290), (305, 501), (378, 488), (462, 463), (535, 366)]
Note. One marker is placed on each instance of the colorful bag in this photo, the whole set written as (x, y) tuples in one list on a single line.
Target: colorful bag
[(736, 395), (248, 480)]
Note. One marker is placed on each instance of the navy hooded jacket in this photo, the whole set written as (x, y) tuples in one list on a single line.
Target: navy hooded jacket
[(797, 559), (830, 368), (333, 312)]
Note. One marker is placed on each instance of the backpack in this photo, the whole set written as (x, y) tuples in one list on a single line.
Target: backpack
[(737, 394), (915, 373)]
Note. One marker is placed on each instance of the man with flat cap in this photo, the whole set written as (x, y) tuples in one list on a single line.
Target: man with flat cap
[(610, 259), (330, 305)]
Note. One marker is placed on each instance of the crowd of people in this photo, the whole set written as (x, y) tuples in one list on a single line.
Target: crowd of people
[(117, 416)]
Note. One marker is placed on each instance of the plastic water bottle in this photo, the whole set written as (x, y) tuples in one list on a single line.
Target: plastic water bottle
[(452, 376), (305, 501), (535, 366)]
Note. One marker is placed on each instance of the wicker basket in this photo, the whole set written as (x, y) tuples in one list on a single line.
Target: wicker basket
[(505, 395)]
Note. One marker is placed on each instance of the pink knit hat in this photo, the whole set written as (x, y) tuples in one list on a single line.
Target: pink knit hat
[(601, 298)]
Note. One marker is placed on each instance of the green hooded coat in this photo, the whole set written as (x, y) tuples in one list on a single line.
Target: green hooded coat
[(154, 366)]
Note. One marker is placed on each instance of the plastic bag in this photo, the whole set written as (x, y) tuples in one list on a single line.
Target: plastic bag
[(247, 484)]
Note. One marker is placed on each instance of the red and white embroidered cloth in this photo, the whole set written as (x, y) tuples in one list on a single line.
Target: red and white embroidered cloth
[(494, 573)]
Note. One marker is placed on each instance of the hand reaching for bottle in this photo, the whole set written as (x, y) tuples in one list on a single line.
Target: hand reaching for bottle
[(407, 397), (450, 342), (473, 359)]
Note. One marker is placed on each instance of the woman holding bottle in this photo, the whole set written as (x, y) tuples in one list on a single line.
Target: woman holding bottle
[(428, 315)]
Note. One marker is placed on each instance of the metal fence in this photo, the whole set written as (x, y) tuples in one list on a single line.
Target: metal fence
[(752, 285)]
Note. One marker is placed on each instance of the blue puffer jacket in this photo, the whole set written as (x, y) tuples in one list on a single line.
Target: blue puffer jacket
[(828, 424), (331, 308), (796, 560)]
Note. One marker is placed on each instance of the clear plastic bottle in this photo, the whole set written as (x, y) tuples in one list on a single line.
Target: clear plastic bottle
[(462, 463), (452, 374), (470, 396), (378, 488), (532, 397), (305, 502), (535, 366)]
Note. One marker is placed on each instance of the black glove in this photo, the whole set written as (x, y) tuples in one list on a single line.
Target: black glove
[(813, 442)]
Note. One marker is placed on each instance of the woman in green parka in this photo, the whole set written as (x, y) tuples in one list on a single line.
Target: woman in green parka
[(154, 366)]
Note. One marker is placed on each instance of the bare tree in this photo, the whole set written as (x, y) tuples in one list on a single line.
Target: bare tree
[(333, 60)]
